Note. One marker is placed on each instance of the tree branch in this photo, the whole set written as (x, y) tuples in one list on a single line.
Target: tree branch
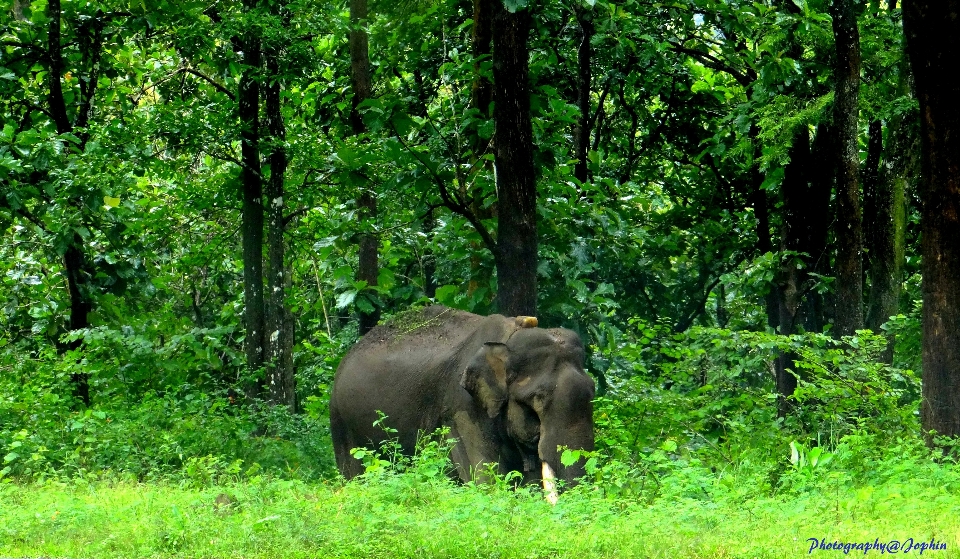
[(454, 205), (207, 79), (712, 61)]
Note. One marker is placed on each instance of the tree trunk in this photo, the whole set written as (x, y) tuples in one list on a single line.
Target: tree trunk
[(482, 92), (74, 259), (359, 62), (516, 256), (80, 307), (932, 29), (286, 352), (806, 192), (888, 218), (429, 259), (758, 197), (369, 266), (280, 379), (252, 210), (849, 235), (581, 137), (791, 279)]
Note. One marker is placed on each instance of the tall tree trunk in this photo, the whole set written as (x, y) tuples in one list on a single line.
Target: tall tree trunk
[(482, 96), (516, 256), (286, 352), (74, 259), (758, 198), (359, 62), (932, 28), (369, 265), (888, 217), (429, 259), (252, 209), (806, 191), (80, 307), (280, 381), (581, 139), (482, 91), (791, 281), (849, 234)]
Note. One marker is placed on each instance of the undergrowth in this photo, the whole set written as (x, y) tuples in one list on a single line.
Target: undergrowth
[(691, 461)]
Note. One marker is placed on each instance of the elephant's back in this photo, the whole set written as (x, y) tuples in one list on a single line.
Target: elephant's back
[(435, 326), (410, 363)]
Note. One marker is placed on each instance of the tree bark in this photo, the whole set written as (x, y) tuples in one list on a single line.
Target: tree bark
[(368, 268), (280, 379), (252, 207), (74, 259), (359, 62), (581, 139), (849, 233), (886, 217), (806, 192), (429, 259), (900, 161), (482, 91), (758, 198), (791, 278), (932, 29), (516, 256)]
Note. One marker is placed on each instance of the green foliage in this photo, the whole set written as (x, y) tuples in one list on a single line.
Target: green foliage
[(430, 463), (658, 259), (191, 435)]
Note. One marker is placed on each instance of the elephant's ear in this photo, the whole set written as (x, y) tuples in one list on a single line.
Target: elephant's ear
[(485, 378)]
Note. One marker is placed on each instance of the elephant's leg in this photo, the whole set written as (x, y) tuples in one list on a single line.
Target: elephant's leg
[(458, 454), (349, 466), (477, 445)]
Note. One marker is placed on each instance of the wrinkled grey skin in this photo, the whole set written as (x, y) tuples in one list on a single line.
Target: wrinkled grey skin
[(510, 395)]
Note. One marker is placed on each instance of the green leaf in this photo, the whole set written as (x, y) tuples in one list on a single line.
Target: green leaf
[(794, 453), (111, 202), (514, 5), (345, 299), (569, 457), (364, 304), (446, 294)]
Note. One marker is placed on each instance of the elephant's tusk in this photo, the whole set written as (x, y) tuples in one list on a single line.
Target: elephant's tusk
[(549, 485)]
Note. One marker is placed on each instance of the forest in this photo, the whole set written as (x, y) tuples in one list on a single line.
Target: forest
[(748, 211)]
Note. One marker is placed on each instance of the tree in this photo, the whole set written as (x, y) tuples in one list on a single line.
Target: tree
[(368, 269), (932, 29), (516, 246), (247, 48), (278, 324), (60, 121), (849, 228), (891, 165)]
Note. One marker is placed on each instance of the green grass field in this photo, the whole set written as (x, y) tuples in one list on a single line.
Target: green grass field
[(401, 516)]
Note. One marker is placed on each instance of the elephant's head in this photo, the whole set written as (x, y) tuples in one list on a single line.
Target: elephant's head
[(535, 384)]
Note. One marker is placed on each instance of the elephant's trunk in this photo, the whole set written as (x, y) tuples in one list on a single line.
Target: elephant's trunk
[(574, 438)]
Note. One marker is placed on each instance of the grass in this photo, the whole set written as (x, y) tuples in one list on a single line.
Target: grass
[(404, 516)]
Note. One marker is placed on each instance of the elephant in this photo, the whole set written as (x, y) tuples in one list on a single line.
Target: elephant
[(509, 391)]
